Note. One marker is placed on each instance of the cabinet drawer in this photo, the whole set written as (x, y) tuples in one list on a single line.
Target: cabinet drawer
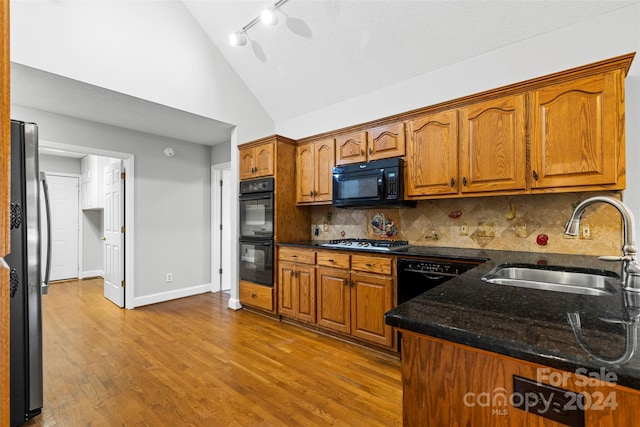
[(371, 264), (329, 259), (297, 255), (256, 295)]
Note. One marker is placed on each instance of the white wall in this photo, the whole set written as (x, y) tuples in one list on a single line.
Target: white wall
[(172, 200), (154, 50), (590, 41), (59, 164)]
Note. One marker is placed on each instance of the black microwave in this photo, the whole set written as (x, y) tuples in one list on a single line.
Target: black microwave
[(370, 184)]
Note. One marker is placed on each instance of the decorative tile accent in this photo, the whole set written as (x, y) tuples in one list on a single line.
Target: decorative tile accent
[(542, 214)]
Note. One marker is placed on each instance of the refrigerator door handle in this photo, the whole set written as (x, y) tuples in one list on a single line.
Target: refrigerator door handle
[(47, 271)]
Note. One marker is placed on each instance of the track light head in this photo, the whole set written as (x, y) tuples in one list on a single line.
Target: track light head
[(268, 16), (237, 39)]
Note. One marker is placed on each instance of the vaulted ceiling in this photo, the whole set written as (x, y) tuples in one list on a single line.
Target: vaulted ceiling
[(320, 52)]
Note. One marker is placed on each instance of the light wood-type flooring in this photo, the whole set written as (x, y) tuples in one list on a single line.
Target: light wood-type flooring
[(194, 362)]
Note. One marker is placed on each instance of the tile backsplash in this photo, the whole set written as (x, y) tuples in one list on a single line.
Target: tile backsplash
[(504, 223)]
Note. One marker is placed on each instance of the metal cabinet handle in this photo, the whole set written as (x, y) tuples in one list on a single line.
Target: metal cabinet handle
[(311, 193), (452, 183), (254, 295), (370, 151), (330, 260), (464, 181), (346, 282), (535, 175), (362, 152), (368, 265)]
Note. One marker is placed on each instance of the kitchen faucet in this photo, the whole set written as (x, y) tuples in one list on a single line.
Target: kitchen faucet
[(631, 269)]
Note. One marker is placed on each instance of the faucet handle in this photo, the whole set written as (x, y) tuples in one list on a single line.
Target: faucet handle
[(615, 258)]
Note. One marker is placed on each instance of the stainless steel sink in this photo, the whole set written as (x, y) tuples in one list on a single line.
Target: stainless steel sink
[(550, 278)]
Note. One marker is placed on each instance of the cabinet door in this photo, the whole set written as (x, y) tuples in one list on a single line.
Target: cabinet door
[(386, 141), (351, 148), (305, 171), (433, 155), (247, 163), (334, 299), (264, 160), (493, 145), (324, 162), (286, 286), (306, 293), (371, 298), (574, 137)]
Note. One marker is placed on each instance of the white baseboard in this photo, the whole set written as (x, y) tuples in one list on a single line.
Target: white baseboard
[(91, 273), (234, 303), (171, 295)]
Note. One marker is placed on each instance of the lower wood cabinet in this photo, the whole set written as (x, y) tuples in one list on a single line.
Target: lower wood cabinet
[(256, 295), (297, 291), (341, 292), (447, 384)]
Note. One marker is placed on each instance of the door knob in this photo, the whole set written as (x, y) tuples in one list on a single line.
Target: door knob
[(104, 238)]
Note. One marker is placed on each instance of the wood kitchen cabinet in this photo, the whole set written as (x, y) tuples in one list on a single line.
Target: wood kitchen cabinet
[(443, 384), (381, 142), (432, 157), (353, 296), (273, 155), (314, 168), (297, 284), (256, 160), (493, 145), (577, 133)]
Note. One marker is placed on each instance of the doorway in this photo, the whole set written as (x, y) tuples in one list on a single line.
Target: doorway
[(221, 199), (127, 161)]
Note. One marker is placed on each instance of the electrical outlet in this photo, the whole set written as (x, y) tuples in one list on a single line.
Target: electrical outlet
[(464, 230), (585, 231), (169, 277)]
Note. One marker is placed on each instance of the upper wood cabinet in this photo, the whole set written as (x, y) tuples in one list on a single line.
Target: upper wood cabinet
[(257, 160), (380, 142), (577, 133), (351, 148), (432, 155), (493, 155), (314, 168)]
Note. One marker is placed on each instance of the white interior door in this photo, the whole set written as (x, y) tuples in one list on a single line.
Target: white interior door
[(113, 234), (65, 210), (225, 214)]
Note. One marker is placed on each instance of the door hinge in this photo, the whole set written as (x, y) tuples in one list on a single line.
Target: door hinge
[(219, 271), (123, 284), (220, 226), (123, 230), (123, 175), (220, 183)]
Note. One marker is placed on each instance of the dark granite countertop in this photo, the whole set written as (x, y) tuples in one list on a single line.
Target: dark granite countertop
[(527, 324)]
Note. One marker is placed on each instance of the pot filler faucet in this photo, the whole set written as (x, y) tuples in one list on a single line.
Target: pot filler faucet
[(631, 269)]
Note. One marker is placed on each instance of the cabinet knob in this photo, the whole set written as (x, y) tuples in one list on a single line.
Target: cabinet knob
[(368, 265), (310, 193), (452, 183), (535, 175), (315, 193), (330, 260), (464, 181), (370, 151), (254, 295), (361, 152), (346, 282)]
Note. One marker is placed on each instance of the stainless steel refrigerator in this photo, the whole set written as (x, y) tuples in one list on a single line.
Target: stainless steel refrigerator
[(27, 283)]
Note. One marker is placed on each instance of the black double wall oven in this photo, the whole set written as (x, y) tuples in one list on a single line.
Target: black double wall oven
[(256, 231)]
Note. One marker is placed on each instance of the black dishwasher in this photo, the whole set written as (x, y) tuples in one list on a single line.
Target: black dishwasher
[(416, 276)]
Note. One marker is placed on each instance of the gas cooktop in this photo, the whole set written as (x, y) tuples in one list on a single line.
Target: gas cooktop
[(368, 244)]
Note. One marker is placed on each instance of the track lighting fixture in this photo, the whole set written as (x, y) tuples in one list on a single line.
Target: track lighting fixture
[(268, 16)]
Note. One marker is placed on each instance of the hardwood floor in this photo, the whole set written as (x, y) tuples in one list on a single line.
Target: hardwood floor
[(195, 362)]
